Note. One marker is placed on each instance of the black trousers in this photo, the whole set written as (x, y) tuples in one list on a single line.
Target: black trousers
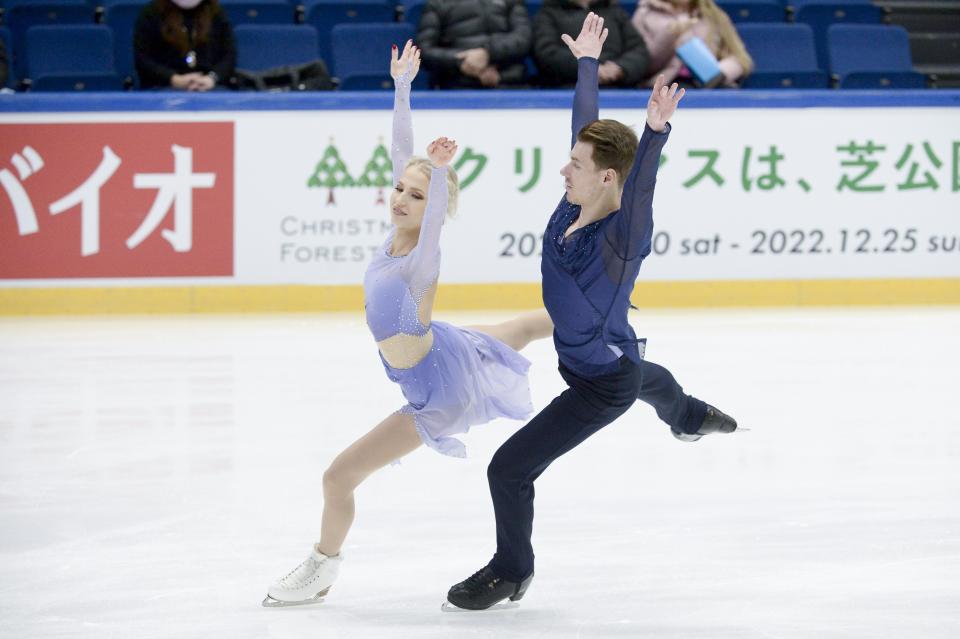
[(585, 407)]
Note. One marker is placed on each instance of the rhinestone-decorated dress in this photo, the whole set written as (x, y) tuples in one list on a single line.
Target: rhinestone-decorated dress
[(467, 377)]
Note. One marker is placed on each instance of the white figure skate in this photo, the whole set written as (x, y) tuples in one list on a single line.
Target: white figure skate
[(308, 583)]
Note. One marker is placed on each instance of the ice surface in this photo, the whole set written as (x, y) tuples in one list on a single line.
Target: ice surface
[(156, 474)]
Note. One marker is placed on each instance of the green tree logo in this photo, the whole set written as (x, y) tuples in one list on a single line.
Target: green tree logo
[(378, 171), (331, 172)]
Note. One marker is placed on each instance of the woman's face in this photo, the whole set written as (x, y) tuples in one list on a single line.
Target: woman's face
[(409, 199)]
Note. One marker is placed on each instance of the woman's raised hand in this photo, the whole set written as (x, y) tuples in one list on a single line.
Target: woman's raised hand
[(406, 63), (441, 151)]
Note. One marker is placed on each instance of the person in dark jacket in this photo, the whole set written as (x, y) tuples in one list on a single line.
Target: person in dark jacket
[(184, 44), (475, 43), (623, 62)]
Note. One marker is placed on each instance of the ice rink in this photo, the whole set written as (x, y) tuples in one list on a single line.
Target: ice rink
[(156, 474)]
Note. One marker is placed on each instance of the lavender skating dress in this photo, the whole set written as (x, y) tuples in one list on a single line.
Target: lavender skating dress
[(467, 377)]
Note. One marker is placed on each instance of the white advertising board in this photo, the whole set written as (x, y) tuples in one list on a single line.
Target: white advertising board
[(742, 194)]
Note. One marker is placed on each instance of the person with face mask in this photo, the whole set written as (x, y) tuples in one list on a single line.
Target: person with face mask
[(186, 45), (452, 377)]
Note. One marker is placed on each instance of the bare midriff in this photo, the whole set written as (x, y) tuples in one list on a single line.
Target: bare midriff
[(405, 351)]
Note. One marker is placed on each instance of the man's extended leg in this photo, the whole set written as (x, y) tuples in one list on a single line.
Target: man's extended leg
[(689, 418), (580, 411)]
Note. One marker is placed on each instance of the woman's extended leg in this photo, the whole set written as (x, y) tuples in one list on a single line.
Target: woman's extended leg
[(391, 439), (520, 331)]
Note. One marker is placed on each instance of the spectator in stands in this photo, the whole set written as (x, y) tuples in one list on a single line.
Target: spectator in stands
[(667, 24), (623, 61), (184, 44), (3, 65), (475, 43)]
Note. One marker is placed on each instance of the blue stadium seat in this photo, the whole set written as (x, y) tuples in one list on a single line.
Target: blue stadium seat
[(324, 15), (754, 10), (20, 15), (820, 14), (872, 57), (90, 3), (8, 4), (411, 11), (793, 5), (121, 16), (532, 7), (71, 58), (361, 55), (262, 47), (258, 11), (798, 4), (7, 40), (784, 55), (106, 4)]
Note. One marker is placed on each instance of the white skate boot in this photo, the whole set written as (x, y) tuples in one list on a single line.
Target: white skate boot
[(307, 583)]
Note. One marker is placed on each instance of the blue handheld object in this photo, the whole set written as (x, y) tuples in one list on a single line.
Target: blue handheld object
[(700, 61)]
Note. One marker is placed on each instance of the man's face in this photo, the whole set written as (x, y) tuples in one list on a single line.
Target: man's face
[(581, 177)]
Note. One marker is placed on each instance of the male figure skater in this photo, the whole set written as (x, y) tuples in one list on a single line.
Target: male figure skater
[(593, 246)]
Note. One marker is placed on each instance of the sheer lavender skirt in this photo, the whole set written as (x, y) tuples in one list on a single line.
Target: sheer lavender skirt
[(467, 378)]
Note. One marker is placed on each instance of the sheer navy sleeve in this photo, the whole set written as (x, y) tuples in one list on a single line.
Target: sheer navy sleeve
[(628, 234), (586, 97)]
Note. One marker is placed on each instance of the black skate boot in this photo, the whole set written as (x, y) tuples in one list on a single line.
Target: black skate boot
[(484, 589), (715, 421)]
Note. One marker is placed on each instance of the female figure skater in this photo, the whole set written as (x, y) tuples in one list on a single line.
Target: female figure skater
[(452, 377)]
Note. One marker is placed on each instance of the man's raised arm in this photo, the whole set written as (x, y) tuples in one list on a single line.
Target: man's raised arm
[(587, 49), (635, 222)]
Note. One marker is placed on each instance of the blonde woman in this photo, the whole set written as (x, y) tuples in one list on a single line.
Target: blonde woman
[(668, 24), (452, 378)]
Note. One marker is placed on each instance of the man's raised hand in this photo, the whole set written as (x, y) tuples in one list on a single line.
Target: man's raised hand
[(590, 41), (663, 102)]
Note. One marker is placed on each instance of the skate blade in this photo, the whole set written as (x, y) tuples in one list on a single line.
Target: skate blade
[(503, 605), (270, 602), (694, 437)]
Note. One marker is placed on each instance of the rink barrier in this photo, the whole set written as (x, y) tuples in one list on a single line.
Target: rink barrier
[(87, 298), (457, 297)]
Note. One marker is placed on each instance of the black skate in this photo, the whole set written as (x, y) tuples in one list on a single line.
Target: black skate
[(484, 590), (715, 421)]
